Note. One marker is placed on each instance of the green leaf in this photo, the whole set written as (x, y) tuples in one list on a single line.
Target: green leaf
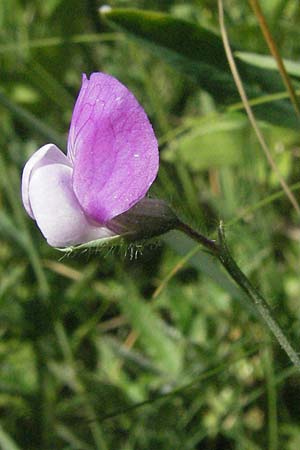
[(6, 441), (165, 352), (199, 54), (207, 264), (268, 62), (214, 143)]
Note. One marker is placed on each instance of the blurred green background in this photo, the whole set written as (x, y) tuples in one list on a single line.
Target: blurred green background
[(152, 347)]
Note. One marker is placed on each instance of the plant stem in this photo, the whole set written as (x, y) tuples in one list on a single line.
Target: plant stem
[(220, 250), (211, 245)]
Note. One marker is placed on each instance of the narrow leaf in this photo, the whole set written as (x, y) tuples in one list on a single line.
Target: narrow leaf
[(199, 54), (161, 348)]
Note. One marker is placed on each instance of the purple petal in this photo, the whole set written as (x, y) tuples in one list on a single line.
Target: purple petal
[(56, 209), (78, 118), (113, 148), (48, 154)]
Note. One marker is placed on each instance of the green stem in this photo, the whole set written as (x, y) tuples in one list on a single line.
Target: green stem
[(220, 250), (211, 245)]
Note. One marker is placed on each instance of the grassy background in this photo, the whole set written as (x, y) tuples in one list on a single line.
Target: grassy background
[(92, 355)]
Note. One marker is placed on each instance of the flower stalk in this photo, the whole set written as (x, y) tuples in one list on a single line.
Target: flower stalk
[(220, 250)]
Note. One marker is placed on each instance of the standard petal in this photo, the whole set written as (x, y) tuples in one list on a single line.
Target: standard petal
[(56, 209), (113, 146), (78, 119), (48, 154)]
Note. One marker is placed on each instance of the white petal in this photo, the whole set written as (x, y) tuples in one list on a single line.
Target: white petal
[(56, 209), (48, 154)]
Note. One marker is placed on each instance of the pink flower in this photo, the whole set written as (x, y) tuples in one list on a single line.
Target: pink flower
[(111, 162)]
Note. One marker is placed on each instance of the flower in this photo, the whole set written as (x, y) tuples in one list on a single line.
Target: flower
[(97, 192)]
